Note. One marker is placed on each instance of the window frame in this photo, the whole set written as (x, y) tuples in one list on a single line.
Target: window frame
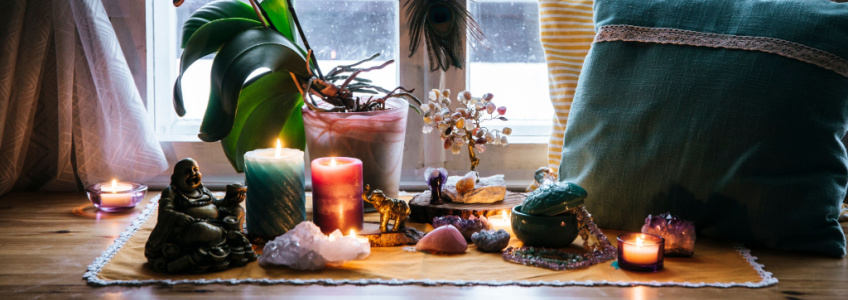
[(517, 161)]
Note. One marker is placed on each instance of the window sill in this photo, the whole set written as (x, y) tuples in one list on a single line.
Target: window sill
[(187, 138), (517, 162)]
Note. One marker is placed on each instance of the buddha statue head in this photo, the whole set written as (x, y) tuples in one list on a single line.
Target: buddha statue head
[(186, 176)]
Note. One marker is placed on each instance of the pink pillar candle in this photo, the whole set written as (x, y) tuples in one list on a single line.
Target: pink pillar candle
[(337, 193)]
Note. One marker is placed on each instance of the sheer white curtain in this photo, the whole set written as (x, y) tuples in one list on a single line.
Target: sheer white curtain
[(70, 113)]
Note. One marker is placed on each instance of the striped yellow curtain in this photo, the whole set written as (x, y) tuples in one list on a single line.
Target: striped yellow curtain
[(567, 32)]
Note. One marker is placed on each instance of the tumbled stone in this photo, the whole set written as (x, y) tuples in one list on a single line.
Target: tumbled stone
[(553, 199), (491, 240), (679, 234), (445, 239), (486, 190), (465, 226), (306, 248), (466, 183)]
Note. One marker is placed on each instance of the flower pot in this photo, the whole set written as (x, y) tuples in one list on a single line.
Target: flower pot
[(375, 137)]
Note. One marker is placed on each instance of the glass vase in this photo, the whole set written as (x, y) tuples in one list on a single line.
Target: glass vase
[(375, 137)]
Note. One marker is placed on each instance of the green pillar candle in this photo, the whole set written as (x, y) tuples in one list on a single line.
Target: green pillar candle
[(276, 201)]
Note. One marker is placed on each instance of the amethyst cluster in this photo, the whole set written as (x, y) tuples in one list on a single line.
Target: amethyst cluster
[(679, 234), (466, 227)]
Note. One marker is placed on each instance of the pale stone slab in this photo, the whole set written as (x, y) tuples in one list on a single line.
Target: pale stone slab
[(487, 190)]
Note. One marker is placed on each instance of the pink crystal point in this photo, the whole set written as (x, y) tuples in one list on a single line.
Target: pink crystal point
[(445, 239)]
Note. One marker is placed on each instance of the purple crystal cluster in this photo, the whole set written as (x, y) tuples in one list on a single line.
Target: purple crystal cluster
[(466, 226), (490, 240), (679, 234)]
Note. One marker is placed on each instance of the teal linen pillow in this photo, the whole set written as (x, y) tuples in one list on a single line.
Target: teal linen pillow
[(725, 112)]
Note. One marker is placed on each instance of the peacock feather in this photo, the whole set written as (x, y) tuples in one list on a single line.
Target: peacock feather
[(442, 22)]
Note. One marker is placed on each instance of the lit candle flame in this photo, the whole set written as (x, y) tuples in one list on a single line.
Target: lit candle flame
[(352, 233), (114, 186), (279, 149), (639, 242), (333, 162)]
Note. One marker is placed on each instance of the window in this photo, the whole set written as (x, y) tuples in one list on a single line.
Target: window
[(322, 21), (344, 31), (511, 64)]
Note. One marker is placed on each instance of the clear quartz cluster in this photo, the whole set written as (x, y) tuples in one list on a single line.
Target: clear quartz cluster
[(306, 248), (679, 234)]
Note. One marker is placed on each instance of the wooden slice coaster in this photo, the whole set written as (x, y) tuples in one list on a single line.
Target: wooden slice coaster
[(423, 212), (407, 236)]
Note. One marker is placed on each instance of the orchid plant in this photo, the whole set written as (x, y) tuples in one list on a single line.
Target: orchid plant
[(246, 114)]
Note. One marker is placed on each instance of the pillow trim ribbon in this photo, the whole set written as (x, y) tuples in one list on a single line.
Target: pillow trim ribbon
[(804, 53)]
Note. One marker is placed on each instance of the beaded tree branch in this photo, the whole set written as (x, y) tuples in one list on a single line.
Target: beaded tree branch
[(598, 249), (462, 127)]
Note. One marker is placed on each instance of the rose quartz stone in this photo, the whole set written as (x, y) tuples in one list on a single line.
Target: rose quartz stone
[(446, 239)]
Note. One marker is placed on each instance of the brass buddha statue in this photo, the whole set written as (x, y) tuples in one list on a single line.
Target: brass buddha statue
[(196, 232)]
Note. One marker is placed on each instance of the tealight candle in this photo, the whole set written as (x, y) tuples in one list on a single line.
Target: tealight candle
[(337, 193), (640, 252), (361, 239), (276, 197), (116, 196), (501, 221)]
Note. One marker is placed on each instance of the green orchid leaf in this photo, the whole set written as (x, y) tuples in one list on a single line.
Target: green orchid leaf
[(278, 12), (234, 63), (246, 52), (206, 40), (293, 131), (268, 109), (212, 11)]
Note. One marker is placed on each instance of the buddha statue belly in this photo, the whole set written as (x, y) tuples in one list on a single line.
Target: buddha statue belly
[(205, 230), (208, 211)]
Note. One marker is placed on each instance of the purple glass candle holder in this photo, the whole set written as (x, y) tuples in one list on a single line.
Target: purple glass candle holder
[(640, 252), (116, 196)]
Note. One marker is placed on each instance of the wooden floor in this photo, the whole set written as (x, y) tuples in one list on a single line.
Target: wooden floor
[(48, 240)]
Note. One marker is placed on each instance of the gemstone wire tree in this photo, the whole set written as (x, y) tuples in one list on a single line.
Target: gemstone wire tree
[(463, 126)]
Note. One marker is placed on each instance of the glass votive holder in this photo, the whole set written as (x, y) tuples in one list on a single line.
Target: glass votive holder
[(640, 252), (116, 196)]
